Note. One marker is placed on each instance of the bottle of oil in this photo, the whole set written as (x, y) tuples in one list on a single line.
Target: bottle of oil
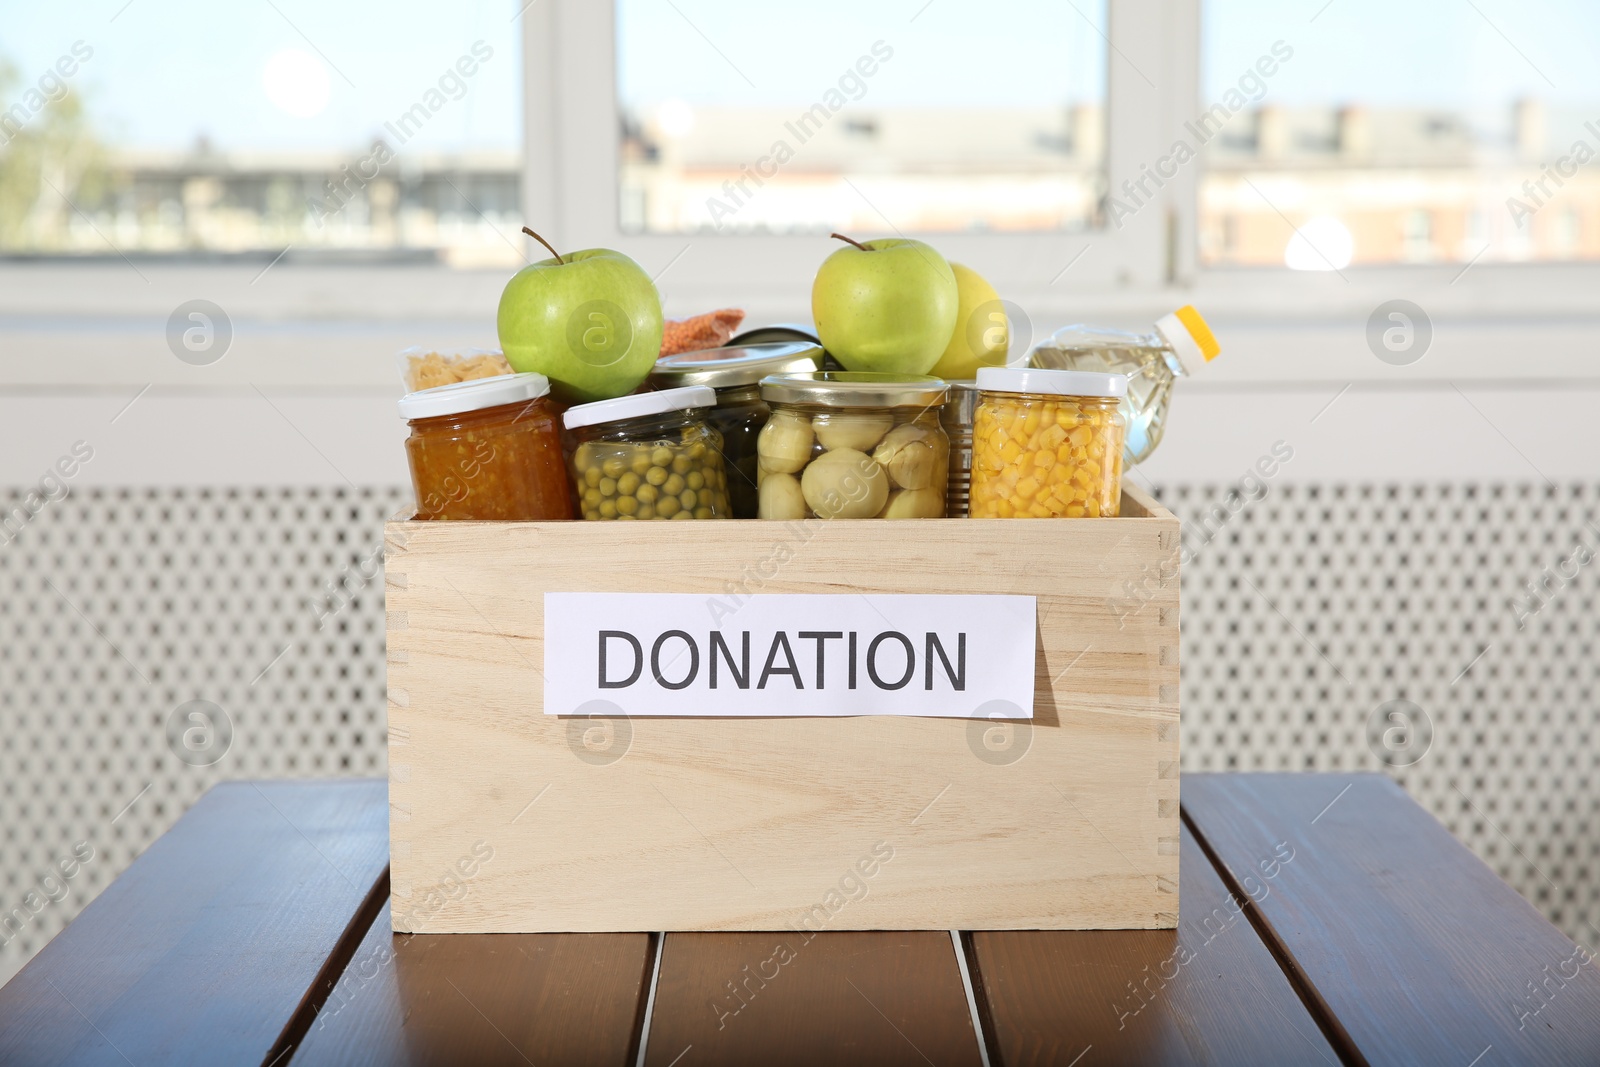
[(1181, 344)]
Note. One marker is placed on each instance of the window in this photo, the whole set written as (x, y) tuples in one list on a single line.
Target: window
[(802, 116), (1402, 133), (1035, 142), (991, 131), (314, 129)]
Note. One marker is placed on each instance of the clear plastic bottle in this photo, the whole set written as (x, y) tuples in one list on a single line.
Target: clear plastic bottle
[(1181, 344)]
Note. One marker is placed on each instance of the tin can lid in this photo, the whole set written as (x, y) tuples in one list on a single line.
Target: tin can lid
[(636, 405), (864, 389), (475, 395), (734, 365), (1051, 382), (962, 407), (778, 331)]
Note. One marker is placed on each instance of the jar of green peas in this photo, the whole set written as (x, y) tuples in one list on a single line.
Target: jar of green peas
[(648, 456)]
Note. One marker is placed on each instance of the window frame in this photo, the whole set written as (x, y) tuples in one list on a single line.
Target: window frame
[(570, 62)]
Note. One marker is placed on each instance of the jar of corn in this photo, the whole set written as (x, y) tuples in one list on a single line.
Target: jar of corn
[(1047, 444)]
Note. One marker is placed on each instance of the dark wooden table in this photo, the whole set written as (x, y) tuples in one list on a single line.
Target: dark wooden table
[(1325, 919)]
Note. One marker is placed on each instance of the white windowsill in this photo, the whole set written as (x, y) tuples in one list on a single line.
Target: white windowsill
[(103, 323)]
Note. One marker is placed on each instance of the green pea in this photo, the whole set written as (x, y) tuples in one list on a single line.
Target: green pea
[(656, 475), (688, 498), (592, 476), (627, 506), (673, 485), (613, 466), (647, 493), (608, 509), (668, 507), (645, 512), (695, 479), (628, 484), (640, 462), (661, 457), (608, 487), (681, 463), (702, 513)]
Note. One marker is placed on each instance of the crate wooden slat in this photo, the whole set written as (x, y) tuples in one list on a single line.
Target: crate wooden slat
[(751, 824)]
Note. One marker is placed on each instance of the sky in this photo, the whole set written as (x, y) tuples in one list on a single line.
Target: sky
[(308, 74), (946, 52), (165, 71), (1451, 53)]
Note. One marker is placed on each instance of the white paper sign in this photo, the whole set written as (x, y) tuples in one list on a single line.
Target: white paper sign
[(781, 654)]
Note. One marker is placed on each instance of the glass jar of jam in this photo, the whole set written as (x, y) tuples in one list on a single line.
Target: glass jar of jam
[(1047, 444), (487, 449), (735, 373), (853, 445), (648, 456)]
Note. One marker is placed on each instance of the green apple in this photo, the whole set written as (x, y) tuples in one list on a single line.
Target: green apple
[(589, 321), (982, 333), (888, 305)]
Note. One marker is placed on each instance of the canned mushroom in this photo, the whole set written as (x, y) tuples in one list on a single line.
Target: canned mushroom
[(852, 445), (648, 456)]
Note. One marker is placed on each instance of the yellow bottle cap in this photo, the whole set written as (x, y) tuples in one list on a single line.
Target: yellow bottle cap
[(1189, 337)]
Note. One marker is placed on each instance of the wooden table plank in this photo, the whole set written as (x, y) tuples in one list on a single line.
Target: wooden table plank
[(484, 999), (204, 949), (843, 997), (1208, 992), (1421, 952)]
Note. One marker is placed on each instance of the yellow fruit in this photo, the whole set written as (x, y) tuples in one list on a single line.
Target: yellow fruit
[(982, 332)]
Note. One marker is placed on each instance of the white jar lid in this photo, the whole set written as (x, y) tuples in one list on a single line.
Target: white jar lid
[(475, 395), (637, 404), (1052, 382)]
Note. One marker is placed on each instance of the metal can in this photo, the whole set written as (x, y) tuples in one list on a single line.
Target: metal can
[(956, 417)]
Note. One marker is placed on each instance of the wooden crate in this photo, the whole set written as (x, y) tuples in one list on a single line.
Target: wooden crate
[(505, 819)]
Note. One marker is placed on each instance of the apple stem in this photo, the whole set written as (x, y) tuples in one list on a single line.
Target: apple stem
[(850, 240), (553, 252)]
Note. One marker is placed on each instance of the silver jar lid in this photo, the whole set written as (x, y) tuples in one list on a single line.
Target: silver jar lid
[(735, 365), (855, 389)]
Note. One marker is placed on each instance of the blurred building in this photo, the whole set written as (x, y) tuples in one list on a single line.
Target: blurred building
[(455, 208), (932, 169), (1400, 185), (1409, 185), (1392, 185)]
